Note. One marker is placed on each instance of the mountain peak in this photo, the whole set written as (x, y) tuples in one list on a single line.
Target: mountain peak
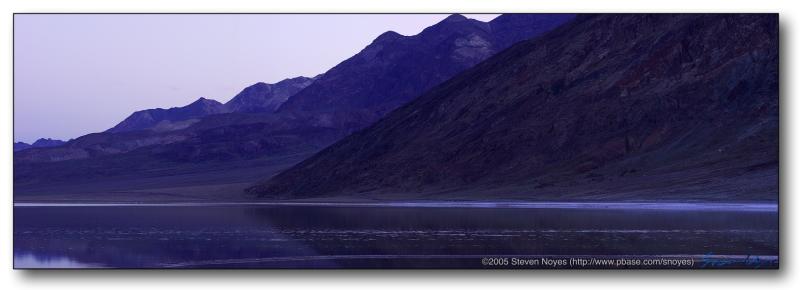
[(40, 143), (295, 79), (204, 103), (257, 86), (455, 18), (386, 74), (147, 119), (47, 142), (388, 36), (263, 97), (202, 100)]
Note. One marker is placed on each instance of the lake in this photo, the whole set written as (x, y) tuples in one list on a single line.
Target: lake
[(399, 235)]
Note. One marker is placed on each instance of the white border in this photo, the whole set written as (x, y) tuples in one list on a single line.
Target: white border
[(786, 278)]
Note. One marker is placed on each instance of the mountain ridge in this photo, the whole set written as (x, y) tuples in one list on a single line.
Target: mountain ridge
[(402, 76), (257, 98), (177, 117), (39, 143), (645, 98), (266, 98), (376, 78)]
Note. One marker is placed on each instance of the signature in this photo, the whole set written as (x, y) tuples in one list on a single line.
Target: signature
[(710, 260)]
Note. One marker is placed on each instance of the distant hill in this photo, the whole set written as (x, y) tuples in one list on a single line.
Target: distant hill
[(169, 119), (47, 142), (21, 146), (636, 106), (40, 143)]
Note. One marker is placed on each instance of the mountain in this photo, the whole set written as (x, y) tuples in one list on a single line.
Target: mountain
[(21, 146), (257, 98), (395, 69), (262, 97), (169, 119), (160, 127), (192, 150), (47, 142), (40, 143), (611, 106)]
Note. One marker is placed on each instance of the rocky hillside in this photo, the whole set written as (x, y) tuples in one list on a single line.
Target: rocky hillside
[(674, 105), (266, 98), (169, 119), (258, 98), (395, 69)]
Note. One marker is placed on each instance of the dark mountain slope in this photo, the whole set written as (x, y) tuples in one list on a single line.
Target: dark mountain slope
[(394, 68), (239, 142), (665, 102), (262, 97)]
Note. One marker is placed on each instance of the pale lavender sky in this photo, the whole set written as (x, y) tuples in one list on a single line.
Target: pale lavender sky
[(81, 73)]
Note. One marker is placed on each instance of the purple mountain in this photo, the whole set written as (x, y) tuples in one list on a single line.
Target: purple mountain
[(386, 74), (627, 106), (169, 119), (258, 98), (40, 143), (395, 69), (262, 97)]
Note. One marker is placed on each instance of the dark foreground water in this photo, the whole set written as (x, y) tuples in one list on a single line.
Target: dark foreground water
[(329, 236)]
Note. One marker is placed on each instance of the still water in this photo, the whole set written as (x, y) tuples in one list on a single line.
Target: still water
[(364, 236)]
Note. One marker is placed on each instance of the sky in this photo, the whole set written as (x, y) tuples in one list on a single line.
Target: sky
[(76, 74)]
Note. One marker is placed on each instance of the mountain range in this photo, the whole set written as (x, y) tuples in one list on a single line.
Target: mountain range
[(395, 69), (40, 143), (258, 98), (627, 106), (294, 116), (526, 106)]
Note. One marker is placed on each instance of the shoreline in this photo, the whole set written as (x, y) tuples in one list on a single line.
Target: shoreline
[(633, 205)]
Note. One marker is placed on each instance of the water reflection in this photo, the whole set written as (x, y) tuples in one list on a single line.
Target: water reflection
[(333, 237), (27, 261)]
